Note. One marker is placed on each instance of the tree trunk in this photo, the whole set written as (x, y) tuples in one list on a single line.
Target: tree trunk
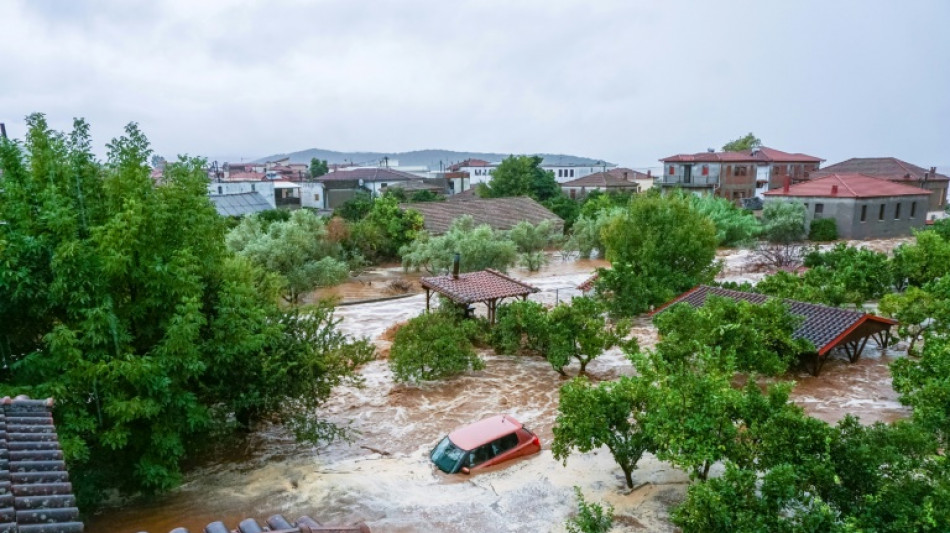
[(628, 475)]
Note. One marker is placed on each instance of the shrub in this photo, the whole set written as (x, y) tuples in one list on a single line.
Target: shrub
[(521, 327), (823, 230), (590, 517), (434, 346)]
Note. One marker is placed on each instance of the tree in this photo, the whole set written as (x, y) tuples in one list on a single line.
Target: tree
[(783, 222), (318, 168), (356, 208), (521, 327), (746, 142), (398, 226), (823, 230), (565, 207), (925, 260), (480, 247), (920, 311), (659, 246), (734, 226), (522, 176), (298, 250), (433, 346), (587, 232), (580, 331), (591, 517), (922, 385), (120, 299), (532, 240), (591, 416)]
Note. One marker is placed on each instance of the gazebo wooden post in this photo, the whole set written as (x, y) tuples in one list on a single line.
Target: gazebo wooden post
[(428, 295)]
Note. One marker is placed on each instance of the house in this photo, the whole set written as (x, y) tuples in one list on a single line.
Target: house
[(499, 213), (613, 180), (342, 185), (864, 207), (276, 193), (735, 175), (896, 170), (480, 171), (240, 204)]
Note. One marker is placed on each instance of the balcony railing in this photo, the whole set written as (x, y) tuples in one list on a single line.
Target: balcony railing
[(677, 181)]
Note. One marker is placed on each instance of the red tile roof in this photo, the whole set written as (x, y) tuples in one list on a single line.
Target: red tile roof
[(480, 286), (246, 176), (826, 327), (763, 154), (613, 178), (469, 163), (849, 186), (500, 213), (881, 167)]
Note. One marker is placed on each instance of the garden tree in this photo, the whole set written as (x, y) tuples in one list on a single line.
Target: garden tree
[(861, 273), (783, 222), (318, 168), (522, 175), (532, 240), (590, 517), (597, 201), (919, 311), (923, 261), (747, 142), (817, 285), (586, 234), (398, 227), (823, 230), (565, 207), (120, 300), (734, 226), (922, 384), (580, 331), (753, 337), (356, 208), (521, 327), (297, 249), (590, 416), (434, 346), (480, 247), (658, 247)]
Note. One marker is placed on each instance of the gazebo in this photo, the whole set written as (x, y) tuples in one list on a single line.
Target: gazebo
[(828, 328), (485, 286)]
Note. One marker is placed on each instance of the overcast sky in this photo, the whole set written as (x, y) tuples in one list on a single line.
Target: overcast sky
[(627, 81)]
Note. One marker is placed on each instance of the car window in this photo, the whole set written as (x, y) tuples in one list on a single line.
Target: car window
[(505, 443), (447, 456), (481, 454)]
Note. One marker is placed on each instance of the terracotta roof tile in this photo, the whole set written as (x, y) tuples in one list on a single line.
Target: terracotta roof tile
[(880, 167), (763, 154), (499, 213), (368, 174), (480, 286), (613, 178), (849, 186), (824, 326)]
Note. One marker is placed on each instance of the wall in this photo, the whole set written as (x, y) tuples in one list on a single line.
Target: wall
[(847, 214), (312, 195)]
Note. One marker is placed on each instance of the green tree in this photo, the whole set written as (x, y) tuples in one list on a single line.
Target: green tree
[(356, 208), (120, 300), (398, 227), (590, 517), (580, 331), (522, 176), (532, 240), (591, 416), (783, 222), (920, 311), (521, 327), (922, 384), (746, 142), (566, 208), (298, 250), (925, 260), (480, 247), (658, 247), (734, 226), (587, 233), (433, 346), (318, 168)]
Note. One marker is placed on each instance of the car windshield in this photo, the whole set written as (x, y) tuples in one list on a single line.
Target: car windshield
[(447, 456)]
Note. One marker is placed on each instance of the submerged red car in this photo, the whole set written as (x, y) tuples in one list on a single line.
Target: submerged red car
[(483, 444)]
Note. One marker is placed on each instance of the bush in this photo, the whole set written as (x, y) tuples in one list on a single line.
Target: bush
[(823, 230), (734, 226), (521, 327), (590, 517), (783, 222), (434, 346)]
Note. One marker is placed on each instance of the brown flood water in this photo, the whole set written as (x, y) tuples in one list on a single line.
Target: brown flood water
[(385, 479)]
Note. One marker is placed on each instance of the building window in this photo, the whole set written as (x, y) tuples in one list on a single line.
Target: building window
[(572, 172), (672, 170), (740, 170), (819, 209), (705, 170), (913, 209), (316, 197), (864, 213), (220, 189), (880, 213), (560, 173), (897, 212), (253, 187)]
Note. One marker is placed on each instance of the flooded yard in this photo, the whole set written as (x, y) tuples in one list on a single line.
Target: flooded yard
[(384, 477)]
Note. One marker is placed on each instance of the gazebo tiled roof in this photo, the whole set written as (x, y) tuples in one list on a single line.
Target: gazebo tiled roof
[(826, 327), (480, 286)]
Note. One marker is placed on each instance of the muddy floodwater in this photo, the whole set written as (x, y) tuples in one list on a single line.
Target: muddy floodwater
[(384, 476)]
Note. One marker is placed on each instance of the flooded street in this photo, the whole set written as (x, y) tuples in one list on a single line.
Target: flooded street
[(384, 476)]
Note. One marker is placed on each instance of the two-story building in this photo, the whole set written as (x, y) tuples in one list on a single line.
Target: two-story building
[(735, 175), (480, 171)]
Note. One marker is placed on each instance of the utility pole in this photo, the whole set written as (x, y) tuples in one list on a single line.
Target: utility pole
[(3, 130)]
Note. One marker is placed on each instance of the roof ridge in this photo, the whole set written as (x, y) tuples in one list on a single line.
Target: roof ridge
[(509, 278)]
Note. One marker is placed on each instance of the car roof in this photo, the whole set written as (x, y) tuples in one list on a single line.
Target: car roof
[(474, 435)]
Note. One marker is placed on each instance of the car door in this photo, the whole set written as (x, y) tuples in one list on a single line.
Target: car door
[(502, 448)]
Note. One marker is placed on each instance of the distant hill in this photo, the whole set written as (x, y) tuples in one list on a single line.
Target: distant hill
[(429, 158)]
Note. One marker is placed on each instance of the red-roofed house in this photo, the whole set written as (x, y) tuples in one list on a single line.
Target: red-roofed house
[(613, 180), (736, 175), (864, 207), (894, 169)]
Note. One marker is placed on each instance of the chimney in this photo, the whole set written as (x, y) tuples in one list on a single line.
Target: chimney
[(788, 184), (649, 174), (933, 171), (455, 265), (834, 190), (3, 131)]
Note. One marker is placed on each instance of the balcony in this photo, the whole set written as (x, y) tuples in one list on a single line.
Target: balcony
[(703, 182)]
